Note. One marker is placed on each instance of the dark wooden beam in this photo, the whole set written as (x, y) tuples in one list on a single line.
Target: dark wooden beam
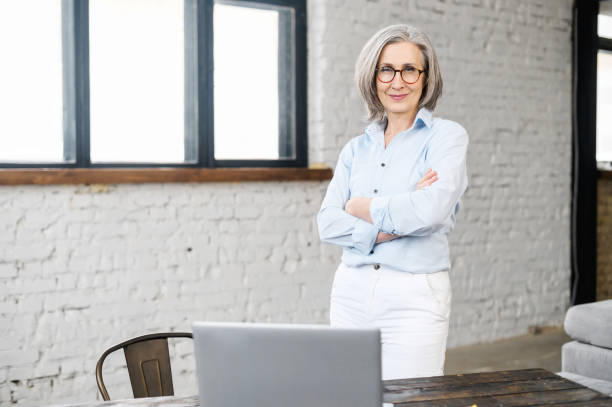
[(53, 176)]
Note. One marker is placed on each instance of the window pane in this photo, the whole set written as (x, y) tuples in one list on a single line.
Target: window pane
[(604, 106), (31, 81), (137, 80), (247, 89), (604, 20)]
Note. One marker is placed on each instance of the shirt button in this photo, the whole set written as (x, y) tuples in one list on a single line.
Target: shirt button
[(382, 164), (376, 266), (376, 191)]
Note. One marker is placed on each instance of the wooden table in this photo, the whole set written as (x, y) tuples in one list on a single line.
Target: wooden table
[(530, 387)]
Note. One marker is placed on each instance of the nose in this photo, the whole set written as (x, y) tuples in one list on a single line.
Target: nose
[(397, 82)]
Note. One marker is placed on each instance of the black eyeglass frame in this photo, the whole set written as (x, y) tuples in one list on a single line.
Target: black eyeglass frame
[(395, 71)]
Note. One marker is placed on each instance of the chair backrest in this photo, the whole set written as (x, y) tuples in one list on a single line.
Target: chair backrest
[(148, 363)]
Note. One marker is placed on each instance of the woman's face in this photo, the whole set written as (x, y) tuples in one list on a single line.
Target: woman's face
[(398, 96)]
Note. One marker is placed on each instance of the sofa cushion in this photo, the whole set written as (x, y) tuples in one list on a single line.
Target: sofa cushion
[(602, 386), (590, 323), (587, 360)]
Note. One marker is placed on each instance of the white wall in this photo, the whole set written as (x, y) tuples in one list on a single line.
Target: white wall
[(82, 268)]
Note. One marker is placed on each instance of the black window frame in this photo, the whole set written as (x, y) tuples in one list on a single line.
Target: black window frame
[(604, 44), (199, 144), (586, 43)]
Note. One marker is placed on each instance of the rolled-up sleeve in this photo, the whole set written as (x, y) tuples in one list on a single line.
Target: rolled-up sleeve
[(335, 225), (424, 211)]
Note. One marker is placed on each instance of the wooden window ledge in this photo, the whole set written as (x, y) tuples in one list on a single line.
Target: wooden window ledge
[(604, 174), (61, 176)]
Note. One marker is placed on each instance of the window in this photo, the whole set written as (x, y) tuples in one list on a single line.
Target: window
[(137, 105), (604, 86), (25, 87), (140, 83)]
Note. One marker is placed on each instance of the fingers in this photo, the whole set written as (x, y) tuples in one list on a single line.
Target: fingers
[(429, 174), (429, 178)]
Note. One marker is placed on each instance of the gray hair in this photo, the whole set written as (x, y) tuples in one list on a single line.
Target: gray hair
[(365, 67)]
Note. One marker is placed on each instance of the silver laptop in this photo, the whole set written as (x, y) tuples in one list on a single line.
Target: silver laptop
[(274, 365)]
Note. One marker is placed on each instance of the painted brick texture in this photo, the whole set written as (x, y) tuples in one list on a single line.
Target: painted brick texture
[(604, 238), (83, 268)]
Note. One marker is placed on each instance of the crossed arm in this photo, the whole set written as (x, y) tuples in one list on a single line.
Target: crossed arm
[(360, 207), (360, 222)]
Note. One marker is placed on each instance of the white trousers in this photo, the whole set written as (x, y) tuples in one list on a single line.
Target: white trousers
[(411, 310)]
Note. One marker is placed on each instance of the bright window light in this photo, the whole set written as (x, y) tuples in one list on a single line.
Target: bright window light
[(246, 83), (31, 128), (137, 80), (604, 25), (604, 106)]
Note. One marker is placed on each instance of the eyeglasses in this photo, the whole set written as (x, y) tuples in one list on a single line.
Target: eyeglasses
[(409, 74)]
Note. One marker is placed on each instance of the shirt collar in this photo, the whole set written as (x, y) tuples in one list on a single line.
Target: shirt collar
[(423, 118)]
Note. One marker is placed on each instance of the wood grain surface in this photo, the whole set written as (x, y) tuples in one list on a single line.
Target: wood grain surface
[(509, 388), (53, 176)]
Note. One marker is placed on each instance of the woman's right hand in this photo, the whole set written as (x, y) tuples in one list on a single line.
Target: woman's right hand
[(385, 237), (429, 178)]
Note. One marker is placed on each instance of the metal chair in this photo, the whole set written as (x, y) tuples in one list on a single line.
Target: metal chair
[(148, 363)]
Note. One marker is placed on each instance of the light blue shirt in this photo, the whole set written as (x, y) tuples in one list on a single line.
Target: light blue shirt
[(423, 218)]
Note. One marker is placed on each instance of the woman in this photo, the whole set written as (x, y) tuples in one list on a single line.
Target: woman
[(392, 203)]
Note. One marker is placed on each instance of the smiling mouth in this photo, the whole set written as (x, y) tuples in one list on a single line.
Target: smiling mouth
[(398, 97)]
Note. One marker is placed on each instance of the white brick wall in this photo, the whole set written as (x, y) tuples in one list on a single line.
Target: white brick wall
[(86, 268), (83, 268)]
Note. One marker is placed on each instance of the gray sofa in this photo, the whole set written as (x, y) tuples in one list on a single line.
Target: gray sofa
[(588, 358)]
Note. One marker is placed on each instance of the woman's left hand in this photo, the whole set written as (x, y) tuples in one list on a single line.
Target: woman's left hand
[(429, 178), (359, 207)]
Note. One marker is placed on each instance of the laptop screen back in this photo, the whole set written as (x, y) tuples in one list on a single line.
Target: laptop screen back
[(287, 365)]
